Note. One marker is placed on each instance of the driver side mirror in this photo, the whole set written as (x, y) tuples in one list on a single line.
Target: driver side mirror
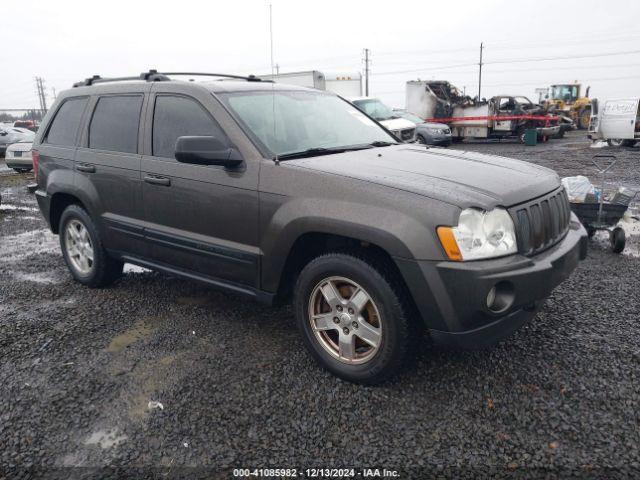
[(204, 150)]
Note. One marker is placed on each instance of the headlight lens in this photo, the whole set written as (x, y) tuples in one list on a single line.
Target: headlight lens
[(481, 234), (436, 131)]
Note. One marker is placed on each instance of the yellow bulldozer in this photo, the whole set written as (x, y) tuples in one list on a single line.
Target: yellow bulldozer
[(565, 99)]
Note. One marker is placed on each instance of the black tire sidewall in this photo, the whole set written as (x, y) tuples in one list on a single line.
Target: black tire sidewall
[(74, 212), (390, 353)]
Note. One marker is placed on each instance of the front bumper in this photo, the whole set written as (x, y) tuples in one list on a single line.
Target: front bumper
[(18, 162), (548, 131), (452, 296)]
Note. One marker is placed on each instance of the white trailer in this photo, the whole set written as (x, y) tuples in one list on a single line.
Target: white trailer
[(343, 84), (616, 121)]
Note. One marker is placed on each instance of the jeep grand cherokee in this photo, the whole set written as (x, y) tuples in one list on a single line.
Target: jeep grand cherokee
[(283, 193)]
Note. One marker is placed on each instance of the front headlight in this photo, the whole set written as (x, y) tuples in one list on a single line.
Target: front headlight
[(436, 131), (479, 234)]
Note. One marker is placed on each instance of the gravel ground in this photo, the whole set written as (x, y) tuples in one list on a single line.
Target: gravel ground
[(79, 367)]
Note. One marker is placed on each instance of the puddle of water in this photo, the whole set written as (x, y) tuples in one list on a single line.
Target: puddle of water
[(9, 207), (138, 331), (47, 278), (106, 438), (22, 245)]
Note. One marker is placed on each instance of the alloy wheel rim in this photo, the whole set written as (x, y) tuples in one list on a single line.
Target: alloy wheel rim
[(345, 320), (79, 247)]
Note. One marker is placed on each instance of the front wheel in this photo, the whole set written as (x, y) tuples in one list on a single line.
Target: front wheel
[(83, 251), (615, 142), (352, 317)]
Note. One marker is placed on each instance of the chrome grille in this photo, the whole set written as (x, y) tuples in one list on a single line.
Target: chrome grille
[(542, 223), (407, 134)]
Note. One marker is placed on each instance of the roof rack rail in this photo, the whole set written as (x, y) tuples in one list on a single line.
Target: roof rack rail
[(155, 76)]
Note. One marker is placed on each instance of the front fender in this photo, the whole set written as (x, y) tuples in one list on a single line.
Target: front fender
[(397, 233)]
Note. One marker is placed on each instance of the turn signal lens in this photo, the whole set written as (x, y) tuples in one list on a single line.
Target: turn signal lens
[(448, 241)]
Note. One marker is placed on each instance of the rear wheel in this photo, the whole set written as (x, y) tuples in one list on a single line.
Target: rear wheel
[(353, 320), (615, 142), (83, 252)]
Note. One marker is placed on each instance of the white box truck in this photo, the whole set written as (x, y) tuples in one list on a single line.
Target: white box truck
[(343, 84)]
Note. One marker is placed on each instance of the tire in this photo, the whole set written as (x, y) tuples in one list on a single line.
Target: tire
[(615, 142), (386, 311), (101, 270), (421, 139), (584, 117), (617, 239)]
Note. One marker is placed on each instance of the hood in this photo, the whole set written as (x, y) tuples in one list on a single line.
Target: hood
[(397, 124), (464, 179)]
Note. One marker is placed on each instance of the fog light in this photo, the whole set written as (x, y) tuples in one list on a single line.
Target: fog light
[(500, 297), (491, 297)]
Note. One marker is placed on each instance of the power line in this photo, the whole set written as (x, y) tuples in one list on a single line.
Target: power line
[(602, 79), (564, 57), (516, 60)]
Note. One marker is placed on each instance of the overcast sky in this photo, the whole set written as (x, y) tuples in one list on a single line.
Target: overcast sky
[(65, 41)]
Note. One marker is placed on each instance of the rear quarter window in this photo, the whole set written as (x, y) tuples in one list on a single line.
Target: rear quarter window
[(115, 122), (64, 128)]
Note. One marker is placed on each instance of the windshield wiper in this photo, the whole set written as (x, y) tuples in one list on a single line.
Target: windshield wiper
[(311, 152), (317, 151)]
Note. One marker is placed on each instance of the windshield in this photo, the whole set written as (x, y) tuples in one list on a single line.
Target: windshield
[(409, 116), (304, 120), (375, 108), (567, 93), (523, 100)]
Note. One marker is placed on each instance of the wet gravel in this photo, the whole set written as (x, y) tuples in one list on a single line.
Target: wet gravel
[(78, 369)]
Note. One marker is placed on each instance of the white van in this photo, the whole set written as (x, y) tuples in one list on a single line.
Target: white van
[(616, 121)]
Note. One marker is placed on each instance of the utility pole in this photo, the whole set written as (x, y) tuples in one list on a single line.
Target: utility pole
[(41, 94), (271, 36), (480, 74), (366, 71)]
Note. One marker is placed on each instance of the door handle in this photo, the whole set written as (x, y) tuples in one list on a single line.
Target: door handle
[(85, 167), (164, 181)]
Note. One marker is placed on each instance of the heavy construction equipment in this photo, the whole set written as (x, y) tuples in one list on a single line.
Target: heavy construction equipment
[(565, 99)]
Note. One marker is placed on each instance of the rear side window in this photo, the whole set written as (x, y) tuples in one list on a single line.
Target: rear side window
[(65, 124), (175, 117), (115, 122)]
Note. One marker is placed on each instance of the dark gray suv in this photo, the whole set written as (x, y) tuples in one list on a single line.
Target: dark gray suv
[(282, 193)]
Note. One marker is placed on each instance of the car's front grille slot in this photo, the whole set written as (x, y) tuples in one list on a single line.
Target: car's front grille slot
[(407, 134), (541, 223)]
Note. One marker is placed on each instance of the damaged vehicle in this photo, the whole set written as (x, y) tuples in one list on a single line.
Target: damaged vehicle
[(502, 116), (285, 194)]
